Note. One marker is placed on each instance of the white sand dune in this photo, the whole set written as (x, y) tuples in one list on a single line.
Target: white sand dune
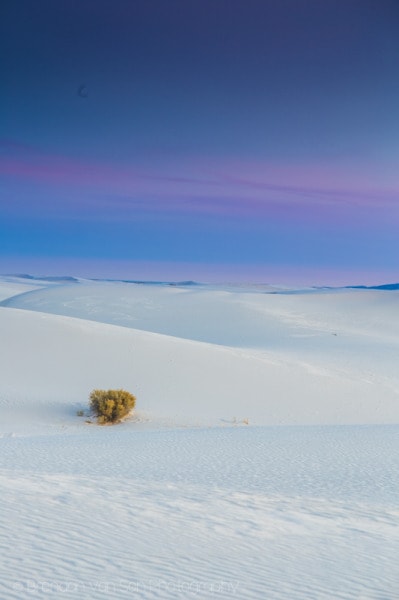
[(184, 499), (206, 355), (15, 286)]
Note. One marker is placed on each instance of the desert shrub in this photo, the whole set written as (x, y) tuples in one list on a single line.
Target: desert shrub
[(110, 406)]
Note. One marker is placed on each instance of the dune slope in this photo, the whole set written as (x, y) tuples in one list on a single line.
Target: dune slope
[(184, 499)]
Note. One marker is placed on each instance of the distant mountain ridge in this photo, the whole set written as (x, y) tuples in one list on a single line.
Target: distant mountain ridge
[(71, 279), (385, 286)]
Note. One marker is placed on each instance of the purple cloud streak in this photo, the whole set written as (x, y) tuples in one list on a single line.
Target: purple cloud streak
[(198, 187)]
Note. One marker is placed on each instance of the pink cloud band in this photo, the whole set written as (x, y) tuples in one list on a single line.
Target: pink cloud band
[(199, 187)]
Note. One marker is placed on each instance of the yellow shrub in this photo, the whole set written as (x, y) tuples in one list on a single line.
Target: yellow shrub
[(110, 406)]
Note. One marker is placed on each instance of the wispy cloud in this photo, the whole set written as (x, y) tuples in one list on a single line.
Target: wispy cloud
[(218, 188)]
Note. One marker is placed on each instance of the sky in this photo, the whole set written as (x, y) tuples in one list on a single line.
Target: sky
[(239, 140)]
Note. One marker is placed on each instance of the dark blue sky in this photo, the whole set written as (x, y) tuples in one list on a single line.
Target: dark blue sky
[(201, 138)]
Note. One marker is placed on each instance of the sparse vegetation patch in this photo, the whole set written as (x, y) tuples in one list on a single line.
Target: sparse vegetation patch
[(111, 406)]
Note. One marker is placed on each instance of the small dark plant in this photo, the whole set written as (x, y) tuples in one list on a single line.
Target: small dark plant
[(111, 406)]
